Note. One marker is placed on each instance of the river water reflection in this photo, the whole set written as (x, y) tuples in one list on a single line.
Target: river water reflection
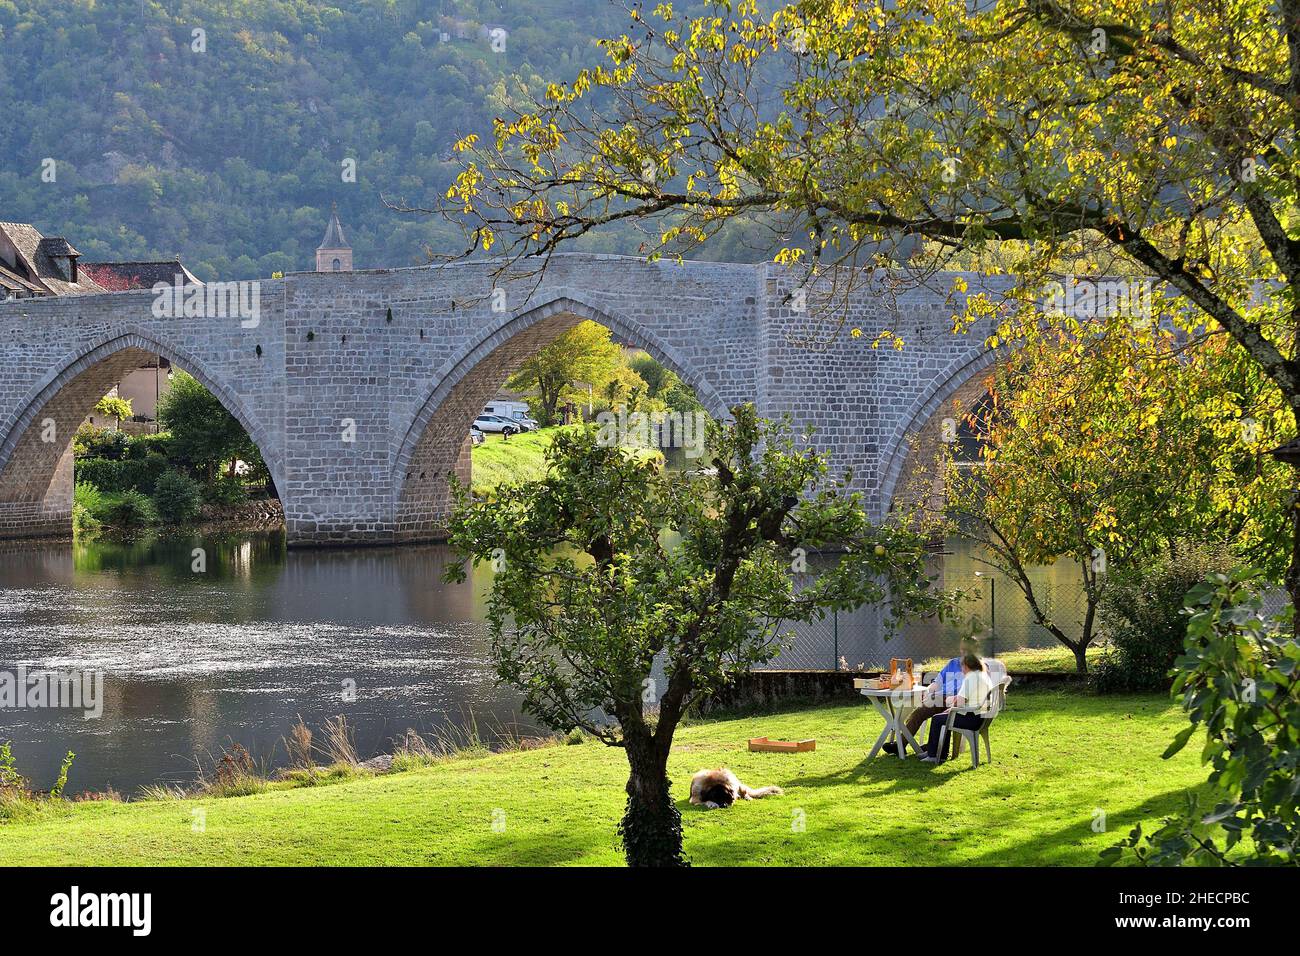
[(195, 661)]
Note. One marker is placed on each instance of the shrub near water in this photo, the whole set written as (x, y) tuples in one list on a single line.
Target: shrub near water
[(87, 502), (129, 474), (17, 799), (177, 498), (129, 509)]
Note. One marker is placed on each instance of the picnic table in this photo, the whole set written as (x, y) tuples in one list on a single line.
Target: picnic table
[(894, 705)]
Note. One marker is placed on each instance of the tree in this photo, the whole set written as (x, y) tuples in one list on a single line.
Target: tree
[(664, 384), (623, 386), (114, 407), (205, 435), (1108, 445), (584, 353), (611, 571), (1017, 137)]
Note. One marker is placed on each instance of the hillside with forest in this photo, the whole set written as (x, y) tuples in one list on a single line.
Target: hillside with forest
[(222, 130)]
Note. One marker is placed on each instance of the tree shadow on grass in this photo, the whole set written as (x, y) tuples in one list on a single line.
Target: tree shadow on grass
[(895, 775), (1057, 843), (553, 848), (932, 839)]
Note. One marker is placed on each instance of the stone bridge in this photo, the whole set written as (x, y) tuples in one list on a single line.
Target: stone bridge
[(359, 387)]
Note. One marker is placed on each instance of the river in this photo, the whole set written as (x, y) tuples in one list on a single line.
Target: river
[(196, 661)]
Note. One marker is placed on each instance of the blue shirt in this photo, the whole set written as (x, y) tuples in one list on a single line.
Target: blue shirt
[(950, 677)]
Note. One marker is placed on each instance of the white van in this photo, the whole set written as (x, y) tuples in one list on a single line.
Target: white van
[(506, 409)]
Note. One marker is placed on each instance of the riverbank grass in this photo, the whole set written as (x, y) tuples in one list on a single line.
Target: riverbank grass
[(1061, 760)]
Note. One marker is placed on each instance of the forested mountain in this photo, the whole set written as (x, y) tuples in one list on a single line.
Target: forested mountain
[(227, 146)]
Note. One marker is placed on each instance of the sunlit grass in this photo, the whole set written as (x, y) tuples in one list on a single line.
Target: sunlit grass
[(1035, 660), (520, 458), (1058, 758)]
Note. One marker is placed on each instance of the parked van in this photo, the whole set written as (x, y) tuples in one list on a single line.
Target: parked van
[(506, 409)]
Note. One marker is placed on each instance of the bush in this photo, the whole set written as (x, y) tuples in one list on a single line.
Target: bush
[(92, 441), (129, 509), (87, 506), (225, 490), (1143, 616), (177, 498), (1239, 680), (89, 497), (130, 474), (84, 523), (142, 446)]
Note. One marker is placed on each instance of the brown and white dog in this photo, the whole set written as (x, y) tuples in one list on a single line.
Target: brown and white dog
[(720, 788)]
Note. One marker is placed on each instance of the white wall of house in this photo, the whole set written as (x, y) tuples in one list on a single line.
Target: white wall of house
[(142, 387)]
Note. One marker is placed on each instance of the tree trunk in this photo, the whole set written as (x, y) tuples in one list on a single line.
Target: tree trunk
[(652, 826), (1293, 569), (1085, 641)]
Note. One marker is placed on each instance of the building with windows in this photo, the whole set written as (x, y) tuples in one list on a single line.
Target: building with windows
[(33, 265)]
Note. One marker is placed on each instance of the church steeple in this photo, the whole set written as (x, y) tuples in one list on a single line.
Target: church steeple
[(334, 254)]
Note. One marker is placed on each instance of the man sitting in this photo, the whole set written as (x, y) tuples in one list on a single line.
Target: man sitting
[(944, 686), (974, 693)]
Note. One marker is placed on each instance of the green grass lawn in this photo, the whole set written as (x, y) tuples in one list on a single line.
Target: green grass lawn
[(1036, 660), (521, 458), (1058, 757)]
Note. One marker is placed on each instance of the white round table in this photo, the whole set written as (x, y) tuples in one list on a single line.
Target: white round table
[(894, 705)]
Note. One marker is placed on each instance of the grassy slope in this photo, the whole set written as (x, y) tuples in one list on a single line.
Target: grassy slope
[(522, 458), (1057, 756)]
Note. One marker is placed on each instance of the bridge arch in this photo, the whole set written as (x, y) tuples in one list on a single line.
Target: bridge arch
[(962, 382), (436, 443), (36, 469)]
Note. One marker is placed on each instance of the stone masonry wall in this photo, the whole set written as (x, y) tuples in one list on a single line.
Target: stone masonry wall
[(360, 387)]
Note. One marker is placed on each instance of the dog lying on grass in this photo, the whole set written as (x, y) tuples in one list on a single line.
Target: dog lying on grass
[(720, 788)]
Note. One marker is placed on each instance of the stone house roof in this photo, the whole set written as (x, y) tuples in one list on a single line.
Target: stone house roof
[(42, 262), (14, 284), (117, 276)]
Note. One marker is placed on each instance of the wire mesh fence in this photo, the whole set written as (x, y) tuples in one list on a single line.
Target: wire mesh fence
[(863, 639)]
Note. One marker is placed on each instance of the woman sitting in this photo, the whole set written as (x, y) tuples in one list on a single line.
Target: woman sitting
[(976, 687)]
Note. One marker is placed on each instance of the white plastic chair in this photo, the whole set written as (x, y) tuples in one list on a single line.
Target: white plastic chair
[(994, 702)]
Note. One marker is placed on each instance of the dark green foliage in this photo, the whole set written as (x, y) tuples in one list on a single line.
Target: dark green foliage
[(651, 829), (205, 437), (91, 441), (140, 446), (232, 156), (177, 497), (128, 510), (1144, 618), (224, 490), (1239, 680), (129, 474)]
